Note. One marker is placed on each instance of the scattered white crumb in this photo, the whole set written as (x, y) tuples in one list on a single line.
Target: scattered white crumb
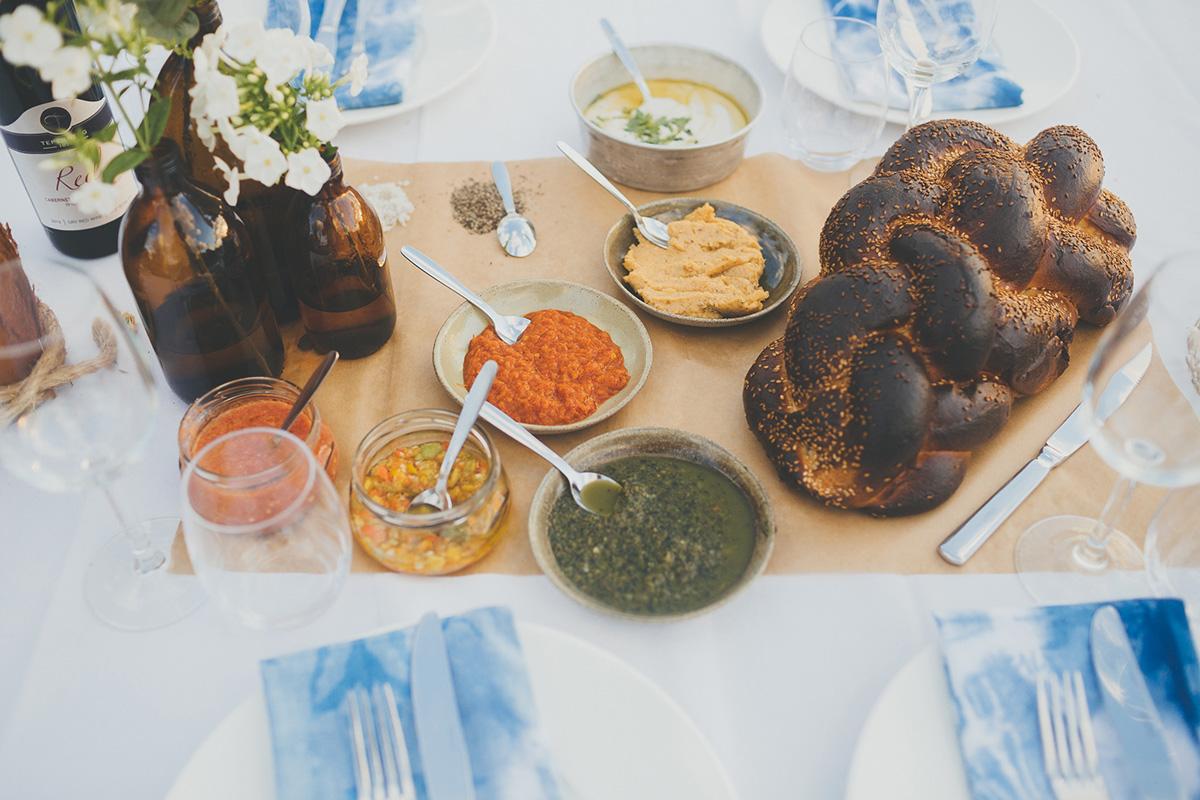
[(390, 202)]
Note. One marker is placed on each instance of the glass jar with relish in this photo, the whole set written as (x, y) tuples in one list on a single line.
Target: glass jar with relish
[(398, 459), (251, 403)]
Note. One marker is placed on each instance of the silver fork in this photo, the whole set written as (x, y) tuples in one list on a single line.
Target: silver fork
[(1068, 743), (381, 767)]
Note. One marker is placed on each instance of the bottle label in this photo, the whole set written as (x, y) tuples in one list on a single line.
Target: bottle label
[(30, 139)]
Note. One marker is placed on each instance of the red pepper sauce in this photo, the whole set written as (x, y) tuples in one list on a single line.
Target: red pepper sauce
[(560, 370), (269, 413)]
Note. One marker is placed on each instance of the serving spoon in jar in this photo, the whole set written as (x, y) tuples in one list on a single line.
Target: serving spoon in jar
[(508, 328), (310, 388), (592, 491), (655, 231), (438, 498)]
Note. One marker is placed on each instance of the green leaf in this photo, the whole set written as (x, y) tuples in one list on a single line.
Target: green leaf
[(155, 121), (107, 133), (169, 21), (125, 161)]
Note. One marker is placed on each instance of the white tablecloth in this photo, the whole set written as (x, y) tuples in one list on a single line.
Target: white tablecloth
[(780, 680)]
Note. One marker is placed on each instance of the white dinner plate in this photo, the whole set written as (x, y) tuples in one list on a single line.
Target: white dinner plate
[(458, 36), (1037, 48), (611, 731), (908, 748)]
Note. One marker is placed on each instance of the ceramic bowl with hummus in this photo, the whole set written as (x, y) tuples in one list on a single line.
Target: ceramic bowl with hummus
[(727, 265), (691, 133)]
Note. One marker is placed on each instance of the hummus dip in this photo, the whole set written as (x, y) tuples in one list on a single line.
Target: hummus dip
[(711, 270)]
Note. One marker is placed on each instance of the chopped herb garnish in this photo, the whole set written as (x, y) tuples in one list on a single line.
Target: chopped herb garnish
[(657, 130)]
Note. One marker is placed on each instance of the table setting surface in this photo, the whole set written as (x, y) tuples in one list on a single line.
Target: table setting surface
[(780, 680)]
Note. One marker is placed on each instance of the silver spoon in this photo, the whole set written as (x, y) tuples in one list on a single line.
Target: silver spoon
[(438, 498), (592, 491), (516, 233), (626, 59), (310, 388), (508, 328), (654, 230)]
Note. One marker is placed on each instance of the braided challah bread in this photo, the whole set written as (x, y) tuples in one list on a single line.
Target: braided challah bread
[(951, 282)]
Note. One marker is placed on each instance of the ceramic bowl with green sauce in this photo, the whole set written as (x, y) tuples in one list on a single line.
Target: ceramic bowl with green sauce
[(692, 527)]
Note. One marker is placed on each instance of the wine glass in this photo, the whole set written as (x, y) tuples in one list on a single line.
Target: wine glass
[(265, 529), (831, 129), (1153, 437), (90, 422), (931, 41), (1173, 550)]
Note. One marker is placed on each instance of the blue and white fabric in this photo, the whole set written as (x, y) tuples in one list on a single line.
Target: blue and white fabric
[(993, 660), (305, 694)]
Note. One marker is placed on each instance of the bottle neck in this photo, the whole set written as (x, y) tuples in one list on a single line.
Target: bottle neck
[(209, 15), (162, 171), (335, 169)]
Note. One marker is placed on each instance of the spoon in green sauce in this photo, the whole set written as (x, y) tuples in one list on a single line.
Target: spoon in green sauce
[(592, 491)]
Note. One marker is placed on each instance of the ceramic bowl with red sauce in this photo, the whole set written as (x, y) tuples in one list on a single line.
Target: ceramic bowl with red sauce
[(254, 403)]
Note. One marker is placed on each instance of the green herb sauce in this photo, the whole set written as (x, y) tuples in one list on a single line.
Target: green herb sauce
[(680, 536)]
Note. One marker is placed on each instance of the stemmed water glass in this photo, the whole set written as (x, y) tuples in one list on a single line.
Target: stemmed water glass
[(86, 430), (265, 529), (831, 129), (931, 41), (1152, 438)]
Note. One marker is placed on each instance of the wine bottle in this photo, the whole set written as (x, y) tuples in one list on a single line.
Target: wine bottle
[(30, 121)]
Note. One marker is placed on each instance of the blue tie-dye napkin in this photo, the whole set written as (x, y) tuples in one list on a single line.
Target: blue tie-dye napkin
[(390, 32), (985, 84), (992, 660), (310, 725)]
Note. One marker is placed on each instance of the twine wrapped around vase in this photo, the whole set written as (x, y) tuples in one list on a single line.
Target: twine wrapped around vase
[(52, 370)]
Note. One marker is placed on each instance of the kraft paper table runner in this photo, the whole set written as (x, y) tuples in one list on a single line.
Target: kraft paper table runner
[(695, 383)]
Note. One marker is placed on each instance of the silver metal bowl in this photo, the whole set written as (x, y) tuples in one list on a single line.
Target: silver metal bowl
[(666, 168)]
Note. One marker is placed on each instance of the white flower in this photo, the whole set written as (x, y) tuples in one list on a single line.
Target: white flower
[(318, 54), (242, 39), (233, 177), (280, 56), (237, 139), (69, 72), (206, 132), (307, 171), (211, 44), (358, 74), (95, 197), (111, 19), (323, 118), (264, 161), (29, 39), (214, 95)]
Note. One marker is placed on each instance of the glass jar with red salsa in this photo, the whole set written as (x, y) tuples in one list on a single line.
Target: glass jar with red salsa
[(253, 403), (398, 459)]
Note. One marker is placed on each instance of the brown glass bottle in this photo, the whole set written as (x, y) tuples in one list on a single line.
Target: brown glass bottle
[(263, 209), (186, 256), (340, 271)]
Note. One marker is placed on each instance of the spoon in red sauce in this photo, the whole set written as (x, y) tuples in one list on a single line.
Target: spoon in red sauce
[(310, 388)]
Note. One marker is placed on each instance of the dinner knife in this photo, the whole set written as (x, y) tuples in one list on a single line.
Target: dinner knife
[(1130, 711), (959, 546), (445, 762)]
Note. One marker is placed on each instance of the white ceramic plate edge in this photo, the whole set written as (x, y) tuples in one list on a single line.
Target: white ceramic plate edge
[(235, 736), (908, 746)]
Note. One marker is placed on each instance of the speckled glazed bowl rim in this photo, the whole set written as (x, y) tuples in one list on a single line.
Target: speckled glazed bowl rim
[(616, 270), (608, 408), (661, 442), (751, 119)]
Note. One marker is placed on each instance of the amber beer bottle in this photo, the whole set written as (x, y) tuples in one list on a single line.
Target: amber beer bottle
[(186, 256), (263, 209), (340, 270), (30, 121)]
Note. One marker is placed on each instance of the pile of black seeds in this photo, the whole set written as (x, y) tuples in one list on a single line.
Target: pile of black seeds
[(478, 208)]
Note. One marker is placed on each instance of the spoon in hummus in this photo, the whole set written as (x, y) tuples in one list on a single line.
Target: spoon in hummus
[(592, 491), (653, 230)]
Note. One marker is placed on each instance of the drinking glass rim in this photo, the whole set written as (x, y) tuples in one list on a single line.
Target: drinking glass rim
[(825, 21), (260, 478)]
